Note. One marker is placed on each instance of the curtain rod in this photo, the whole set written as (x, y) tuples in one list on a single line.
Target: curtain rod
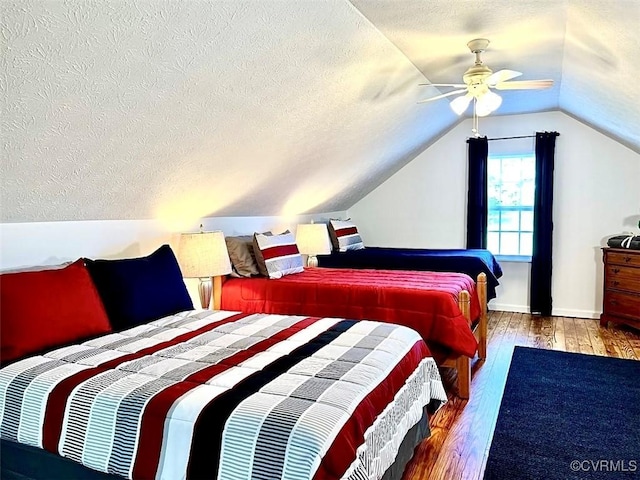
[(510, 138), (520, 136)]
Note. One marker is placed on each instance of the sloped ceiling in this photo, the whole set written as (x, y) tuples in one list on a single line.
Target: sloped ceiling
[(123, 109)]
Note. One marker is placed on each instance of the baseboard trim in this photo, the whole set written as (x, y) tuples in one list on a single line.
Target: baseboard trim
[(567, 312), (506, 307), (556, 312)]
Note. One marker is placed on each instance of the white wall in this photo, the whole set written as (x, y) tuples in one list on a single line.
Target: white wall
[(596, 195), (50, 243)]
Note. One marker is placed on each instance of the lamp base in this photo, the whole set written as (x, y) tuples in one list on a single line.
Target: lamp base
[(204, 289), (312, 261)]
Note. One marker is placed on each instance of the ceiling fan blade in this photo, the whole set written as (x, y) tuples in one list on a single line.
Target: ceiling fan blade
[(501, 76), (524, 85), (438, 97), (458, 85)]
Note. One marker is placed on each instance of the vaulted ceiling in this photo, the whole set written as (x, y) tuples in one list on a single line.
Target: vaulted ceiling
[(128, 109)]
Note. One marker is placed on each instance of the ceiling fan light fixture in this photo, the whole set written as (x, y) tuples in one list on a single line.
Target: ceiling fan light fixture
[(460, 104), (488, 103)]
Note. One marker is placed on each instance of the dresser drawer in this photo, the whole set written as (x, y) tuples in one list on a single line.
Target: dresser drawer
[(621, 296), (622, 278), (623, 304), (622, 258)]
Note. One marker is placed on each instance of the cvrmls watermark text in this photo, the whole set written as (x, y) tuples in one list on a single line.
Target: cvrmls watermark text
[(604, 465)]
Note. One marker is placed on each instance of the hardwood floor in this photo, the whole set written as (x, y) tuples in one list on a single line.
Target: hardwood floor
[(461, 430)]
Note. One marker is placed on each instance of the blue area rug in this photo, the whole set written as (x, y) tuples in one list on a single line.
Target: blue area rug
[(567, 416)]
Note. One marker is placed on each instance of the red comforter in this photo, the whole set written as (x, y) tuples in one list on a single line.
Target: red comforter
[(424, 301)]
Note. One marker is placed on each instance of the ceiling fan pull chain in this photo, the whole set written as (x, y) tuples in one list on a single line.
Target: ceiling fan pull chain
[(474, 125)]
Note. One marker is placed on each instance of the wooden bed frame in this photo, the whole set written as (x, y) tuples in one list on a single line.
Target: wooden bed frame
[(461, 363)]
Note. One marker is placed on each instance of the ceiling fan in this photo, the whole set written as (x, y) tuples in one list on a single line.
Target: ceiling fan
[(479, 80)]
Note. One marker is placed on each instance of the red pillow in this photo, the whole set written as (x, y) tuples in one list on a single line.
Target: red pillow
[(46, 309)]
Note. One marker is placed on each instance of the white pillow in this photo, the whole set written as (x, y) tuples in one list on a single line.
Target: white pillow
[(345, 236), (279, 254)]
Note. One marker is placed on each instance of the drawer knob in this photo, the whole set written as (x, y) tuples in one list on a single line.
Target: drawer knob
[(616, 270), (615, 283), (627, 259), (613, 302)]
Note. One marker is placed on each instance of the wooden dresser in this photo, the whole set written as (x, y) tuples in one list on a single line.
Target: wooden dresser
[(621, 301)]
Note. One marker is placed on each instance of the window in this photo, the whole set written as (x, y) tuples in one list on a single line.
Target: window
[(511, 186)]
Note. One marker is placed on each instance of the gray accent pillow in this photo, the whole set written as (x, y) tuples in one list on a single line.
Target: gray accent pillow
[(243, 260)]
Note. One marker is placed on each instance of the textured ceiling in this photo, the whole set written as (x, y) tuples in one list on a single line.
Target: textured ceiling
[(123, 109)]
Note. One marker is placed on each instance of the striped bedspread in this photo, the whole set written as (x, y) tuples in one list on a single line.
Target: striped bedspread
[(217, 394)]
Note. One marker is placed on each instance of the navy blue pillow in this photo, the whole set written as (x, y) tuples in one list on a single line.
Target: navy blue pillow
[(139, 290)]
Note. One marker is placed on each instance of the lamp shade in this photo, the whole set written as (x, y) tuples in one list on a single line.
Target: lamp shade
[(313, 239), (460, 104), (203, 255)]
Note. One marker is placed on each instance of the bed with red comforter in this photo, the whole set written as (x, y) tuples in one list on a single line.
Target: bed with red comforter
[(424, 301)]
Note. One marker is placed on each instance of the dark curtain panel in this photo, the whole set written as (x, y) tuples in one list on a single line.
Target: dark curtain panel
[(477, 208), (543, 224)]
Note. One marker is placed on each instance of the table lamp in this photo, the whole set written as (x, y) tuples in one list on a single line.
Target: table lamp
[(204, 255), (313, 239)]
